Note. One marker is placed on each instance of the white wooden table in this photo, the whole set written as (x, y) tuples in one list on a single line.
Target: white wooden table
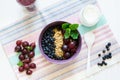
[(10, 12)]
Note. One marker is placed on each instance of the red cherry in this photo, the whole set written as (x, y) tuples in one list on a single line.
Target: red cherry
[(26, 66), (67, 55), (31, 54), (19, 42), (32, 65), (72, 44), (65, 48), (66, 41), (18, 48), (21, 57), (21, 69), (29, 72), (25, 44), (73, 50), (33, 45), (24, 51), (28, 60)]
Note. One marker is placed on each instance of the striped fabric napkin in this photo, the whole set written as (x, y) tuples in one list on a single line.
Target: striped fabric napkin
[(30, 28)]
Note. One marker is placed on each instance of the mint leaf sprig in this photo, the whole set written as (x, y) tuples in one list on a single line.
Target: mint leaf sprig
[(70, 30)]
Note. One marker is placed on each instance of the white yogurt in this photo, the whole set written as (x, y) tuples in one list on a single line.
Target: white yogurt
[(90, 15)]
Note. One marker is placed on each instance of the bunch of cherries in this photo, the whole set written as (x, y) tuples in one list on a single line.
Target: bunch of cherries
[(26, 51), (69, 47)]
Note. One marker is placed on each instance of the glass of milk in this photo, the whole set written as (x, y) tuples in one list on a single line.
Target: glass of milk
[(90, 15)]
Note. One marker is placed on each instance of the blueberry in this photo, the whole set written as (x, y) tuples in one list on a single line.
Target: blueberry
[(103, 62), (110, 56), (109, 44), (100, 64), (99, 55), (110, 53), (108, 49), (103, 51), (104, 57), (107, 56)]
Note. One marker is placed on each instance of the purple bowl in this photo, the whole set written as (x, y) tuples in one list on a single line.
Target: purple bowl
[(57, 23)]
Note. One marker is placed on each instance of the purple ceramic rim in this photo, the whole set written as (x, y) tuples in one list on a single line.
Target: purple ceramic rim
[(57, 23)]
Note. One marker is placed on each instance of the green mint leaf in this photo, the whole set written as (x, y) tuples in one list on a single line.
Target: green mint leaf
[(67, 33), (20, 63), (74, 26), (28, 48), (18, 53), (65, 26), (74, 34)]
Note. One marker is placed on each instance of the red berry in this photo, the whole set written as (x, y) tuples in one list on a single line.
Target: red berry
[(17, 49), (73, 50), (26, 66), (65, 48), (66, 41), (67, 55), (21, 69), (25, 44), (72, 44), (32, 65), (24, 51), (29, 72), (28, 60), (19, 42), (33, 45), (31, 54), (21, 57)]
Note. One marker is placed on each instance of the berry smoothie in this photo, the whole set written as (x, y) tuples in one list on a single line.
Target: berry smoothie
[(28, 4)]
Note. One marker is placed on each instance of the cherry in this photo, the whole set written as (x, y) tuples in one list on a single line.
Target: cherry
[(65, 48), (26, 66), (33, 45), (17, 49), (21, 69), (73, 50), (24, 51), (25, 44), (29, 72), (72, 44), (28, 60), (32, 65), (66, 41), (18, 42), (31, 54), (21, 57), (67, 55)]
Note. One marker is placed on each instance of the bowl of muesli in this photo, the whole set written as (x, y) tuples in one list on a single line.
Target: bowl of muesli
[(60, 42)]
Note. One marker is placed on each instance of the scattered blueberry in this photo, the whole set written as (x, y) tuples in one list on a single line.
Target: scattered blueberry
[(104, 51), (109, 44), (108, 49), (103, 62), (104, 58), (100, 64), (99, 55)]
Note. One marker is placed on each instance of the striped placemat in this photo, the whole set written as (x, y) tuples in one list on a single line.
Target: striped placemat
[(30, 28)]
